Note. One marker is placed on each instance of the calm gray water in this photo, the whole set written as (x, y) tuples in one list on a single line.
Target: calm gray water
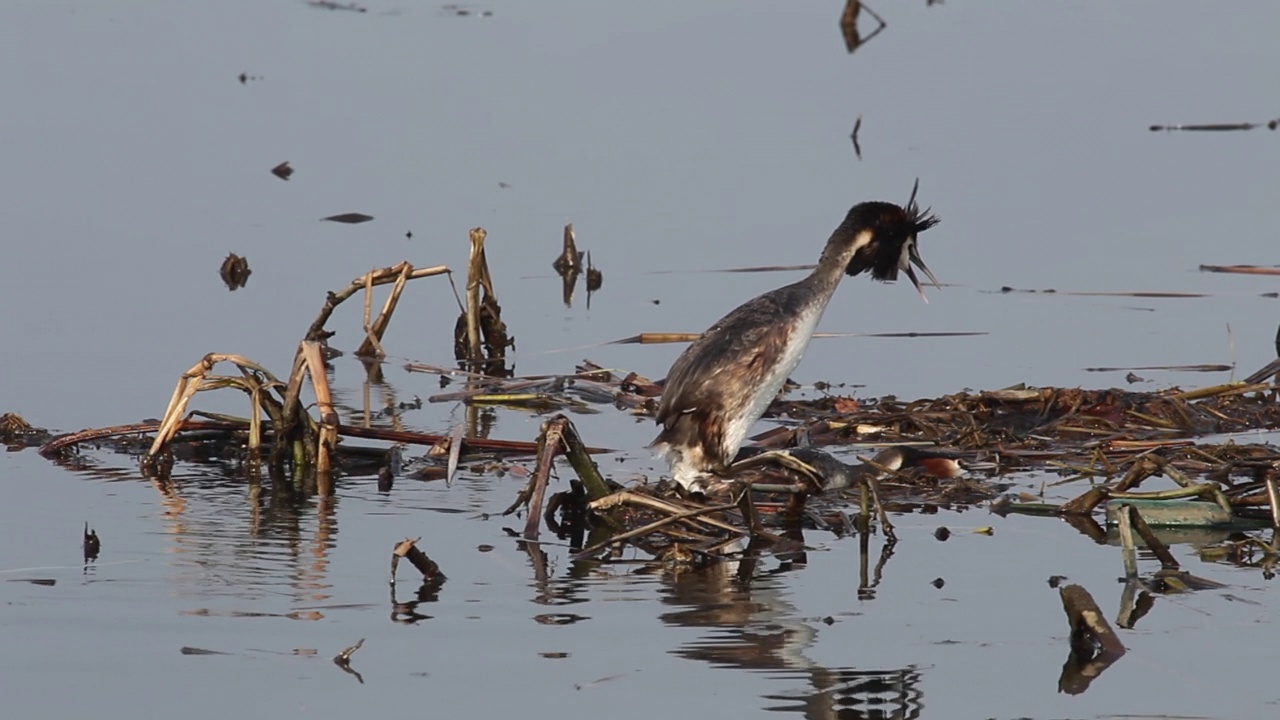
[(675, 137)]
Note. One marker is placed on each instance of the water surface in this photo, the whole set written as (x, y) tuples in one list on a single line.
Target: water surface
[(675, 137)]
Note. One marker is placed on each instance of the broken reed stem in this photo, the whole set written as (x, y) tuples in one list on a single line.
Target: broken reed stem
[(377, 277), (292, 409), (579, 457), (1128, 548), (1154, 543), (324, 402), (548, 442), (372, 345), (1089, 628), (408, 550), (1273, 498), (191, 382), (475, 271)]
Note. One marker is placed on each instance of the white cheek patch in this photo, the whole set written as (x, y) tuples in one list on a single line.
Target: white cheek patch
[(904, 257)]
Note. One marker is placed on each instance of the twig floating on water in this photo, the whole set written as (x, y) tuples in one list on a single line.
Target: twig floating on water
[(1241, 269), (1215, 127), (1171, 368)]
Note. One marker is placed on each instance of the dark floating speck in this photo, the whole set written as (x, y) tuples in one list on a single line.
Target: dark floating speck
[(349, 218), (235, 272), (283, 171)]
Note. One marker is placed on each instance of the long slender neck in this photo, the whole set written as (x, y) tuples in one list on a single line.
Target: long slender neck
[(835, 258)]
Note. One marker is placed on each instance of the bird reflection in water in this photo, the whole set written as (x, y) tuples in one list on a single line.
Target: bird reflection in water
[(753, 626)]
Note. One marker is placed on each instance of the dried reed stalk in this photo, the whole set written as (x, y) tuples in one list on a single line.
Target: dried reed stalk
[(372, 345), (477, 269), (324, 402), (196, 379), (377, 277), (548, 443)]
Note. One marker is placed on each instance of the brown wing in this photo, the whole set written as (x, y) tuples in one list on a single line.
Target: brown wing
[(715, 377)]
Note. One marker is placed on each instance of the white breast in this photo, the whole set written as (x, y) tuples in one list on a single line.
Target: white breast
[(764, 394)]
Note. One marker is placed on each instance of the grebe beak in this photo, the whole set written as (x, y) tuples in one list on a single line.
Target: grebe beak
[(911, 256)]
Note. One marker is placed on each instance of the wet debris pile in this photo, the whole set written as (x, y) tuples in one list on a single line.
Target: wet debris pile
[(16, 433)]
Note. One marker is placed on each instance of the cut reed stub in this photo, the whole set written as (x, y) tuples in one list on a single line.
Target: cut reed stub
[(408, 550)]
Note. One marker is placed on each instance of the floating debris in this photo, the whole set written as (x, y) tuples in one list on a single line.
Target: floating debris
[(91, 544), (595, 278), (1168, 295), (857, 126), (849, 25), (188, 650), (235, 272), (283, 171), (17, 433), (343, 660), (465, 11), (331, 5), (349, 218)]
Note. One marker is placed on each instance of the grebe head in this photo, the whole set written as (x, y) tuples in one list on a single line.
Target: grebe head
[(887, 234)]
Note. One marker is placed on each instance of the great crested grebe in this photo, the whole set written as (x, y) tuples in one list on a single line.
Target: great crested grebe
[(722, 383)]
